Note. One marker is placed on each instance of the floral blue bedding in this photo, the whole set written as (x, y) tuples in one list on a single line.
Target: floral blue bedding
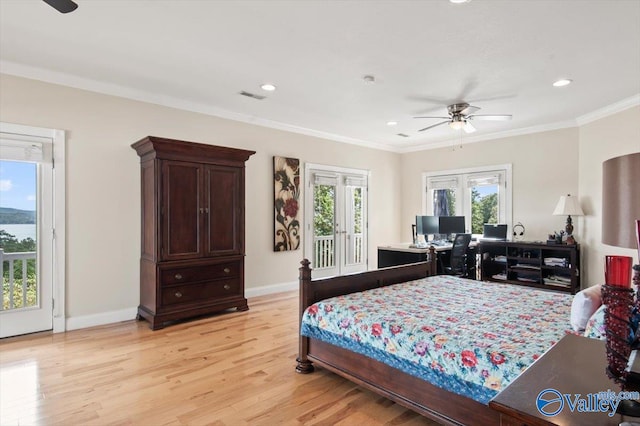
[(468, 337)]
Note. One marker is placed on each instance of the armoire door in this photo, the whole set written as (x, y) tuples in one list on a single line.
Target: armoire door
[(181, 210), (224, 216)]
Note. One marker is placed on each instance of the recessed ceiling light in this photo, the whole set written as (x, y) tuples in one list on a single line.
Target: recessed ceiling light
[(459, 1), (268, 87), (392, 123), (562, 82)]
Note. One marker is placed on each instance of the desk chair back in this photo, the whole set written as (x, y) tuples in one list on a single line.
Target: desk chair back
[(458, 261)]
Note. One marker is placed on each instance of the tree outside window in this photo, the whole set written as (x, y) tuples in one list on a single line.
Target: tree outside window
[(484, 207)]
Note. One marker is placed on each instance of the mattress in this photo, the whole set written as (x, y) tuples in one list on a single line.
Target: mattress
[(469, 337)]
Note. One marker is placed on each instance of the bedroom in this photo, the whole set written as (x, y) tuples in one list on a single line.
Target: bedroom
[(103, 198)]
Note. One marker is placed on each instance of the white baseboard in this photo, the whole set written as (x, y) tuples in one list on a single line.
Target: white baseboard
[(85, 321), (270, 289)]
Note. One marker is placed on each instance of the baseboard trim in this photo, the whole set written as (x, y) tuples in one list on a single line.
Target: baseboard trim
[(270, 289), (103, 318), (85, 321)]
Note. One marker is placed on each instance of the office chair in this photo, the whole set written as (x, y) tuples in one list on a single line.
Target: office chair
[(458, 259)]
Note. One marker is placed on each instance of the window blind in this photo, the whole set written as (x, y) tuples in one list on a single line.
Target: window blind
[(484, 179), (359, 181), (450, 182), (21, 150), (325, 179)]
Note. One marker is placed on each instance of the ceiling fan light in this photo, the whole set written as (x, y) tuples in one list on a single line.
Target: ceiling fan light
[(456, 124), (468, 127)]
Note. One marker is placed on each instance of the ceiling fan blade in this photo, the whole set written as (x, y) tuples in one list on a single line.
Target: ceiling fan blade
[(487, 117), (469, 110), (433, 125), (442, 118), (468, 127), (62, 6)]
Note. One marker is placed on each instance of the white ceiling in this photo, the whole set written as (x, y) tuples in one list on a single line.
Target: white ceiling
[(499, 55)]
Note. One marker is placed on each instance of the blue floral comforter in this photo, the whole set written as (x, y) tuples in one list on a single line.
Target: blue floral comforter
[(469, 337)]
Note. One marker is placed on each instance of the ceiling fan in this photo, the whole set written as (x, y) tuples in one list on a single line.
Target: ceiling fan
[(62, 6), (460, 116)]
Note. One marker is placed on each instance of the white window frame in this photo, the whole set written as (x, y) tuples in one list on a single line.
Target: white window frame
[(58, 209), (459, 179)]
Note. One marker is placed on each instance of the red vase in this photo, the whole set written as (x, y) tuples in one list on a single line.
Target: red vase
[(617, 270), (638, 237)]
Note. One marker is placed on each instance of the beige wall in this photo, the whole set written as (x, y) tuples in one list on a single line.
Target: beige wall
[(601, 140), (544, 167), (103, 205)]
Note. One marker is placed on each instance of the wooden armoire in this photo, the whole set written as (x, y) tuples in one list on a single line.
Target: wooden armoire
[(192, 254)]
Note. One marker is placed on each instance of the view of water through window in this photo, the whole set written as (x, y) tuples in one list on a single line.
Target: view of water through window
[(18, 233)]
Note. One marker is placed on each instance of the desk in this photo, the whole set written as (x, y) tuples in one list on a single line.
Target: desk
[(575, 365), (401, 254)]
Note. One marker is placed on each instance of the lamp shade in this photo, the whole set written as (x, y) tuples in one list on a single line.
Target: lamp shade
[(621, 200), (568, 206)]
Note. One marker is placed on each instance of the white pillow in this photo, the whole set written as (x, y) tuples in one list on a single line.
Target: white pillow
[(584, 304)]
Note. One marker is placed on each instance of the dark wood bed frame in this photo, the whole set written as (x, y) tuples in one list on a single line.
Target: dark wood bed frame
[(431, 401)]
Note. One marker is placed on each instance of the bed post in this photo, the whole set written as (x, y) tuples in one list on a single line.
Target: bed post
[(433, 261), (304, 365)]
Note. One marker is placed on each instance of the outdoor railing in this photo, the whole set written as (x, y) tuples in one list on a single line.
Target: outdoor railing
[(357, 248), (16, 289), (324, 250)]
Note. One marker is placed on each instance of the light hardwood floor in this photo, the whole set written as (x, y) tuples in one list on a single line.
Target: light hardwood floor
[(231, 369)]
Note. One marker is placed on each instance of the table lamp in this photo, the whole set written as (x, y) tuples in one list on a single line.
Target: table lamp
[(621, 228), (567, 206)]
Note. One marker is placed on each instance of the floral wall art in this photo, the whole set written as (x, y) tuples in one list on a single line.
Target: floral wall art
[(286, 181)]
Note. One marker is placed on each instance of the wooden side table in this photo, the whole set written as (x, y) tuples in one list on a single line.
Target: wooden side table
[(575, 365)]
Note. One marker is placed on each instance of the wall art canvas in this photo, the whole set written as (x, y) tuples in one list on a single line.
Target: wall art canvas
[(286, 181)]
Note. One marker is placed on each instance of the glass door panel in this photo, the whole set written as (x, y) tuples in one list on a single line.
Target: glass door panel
[(18, 235), (355, 241), (324, 227), (26, 234)]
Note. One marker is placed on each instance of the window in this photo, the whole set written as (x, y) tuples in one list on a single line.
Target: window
[(479, 194)]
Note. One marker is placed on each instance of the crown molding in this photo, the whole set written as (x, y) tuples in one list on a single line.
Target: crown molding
[(609, 110), (91, 85), (65, 79), (491, 136)]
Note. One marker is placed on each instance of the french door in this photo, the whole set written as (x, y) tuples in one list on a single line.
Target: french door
[(336, 220), (26, 231)]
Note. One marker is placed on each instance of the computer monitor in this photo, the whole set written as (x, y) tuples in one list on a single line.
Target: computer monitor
[(426, 225), (451, 225), (494, 231)]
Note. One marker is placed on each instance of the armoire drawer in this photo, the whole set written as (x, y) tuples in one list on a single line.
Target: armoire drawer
[(200, 292), (199, 273)]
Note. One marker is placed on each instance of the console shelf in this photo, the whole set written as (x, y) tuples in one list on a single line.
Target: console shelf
[(533, 264)]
